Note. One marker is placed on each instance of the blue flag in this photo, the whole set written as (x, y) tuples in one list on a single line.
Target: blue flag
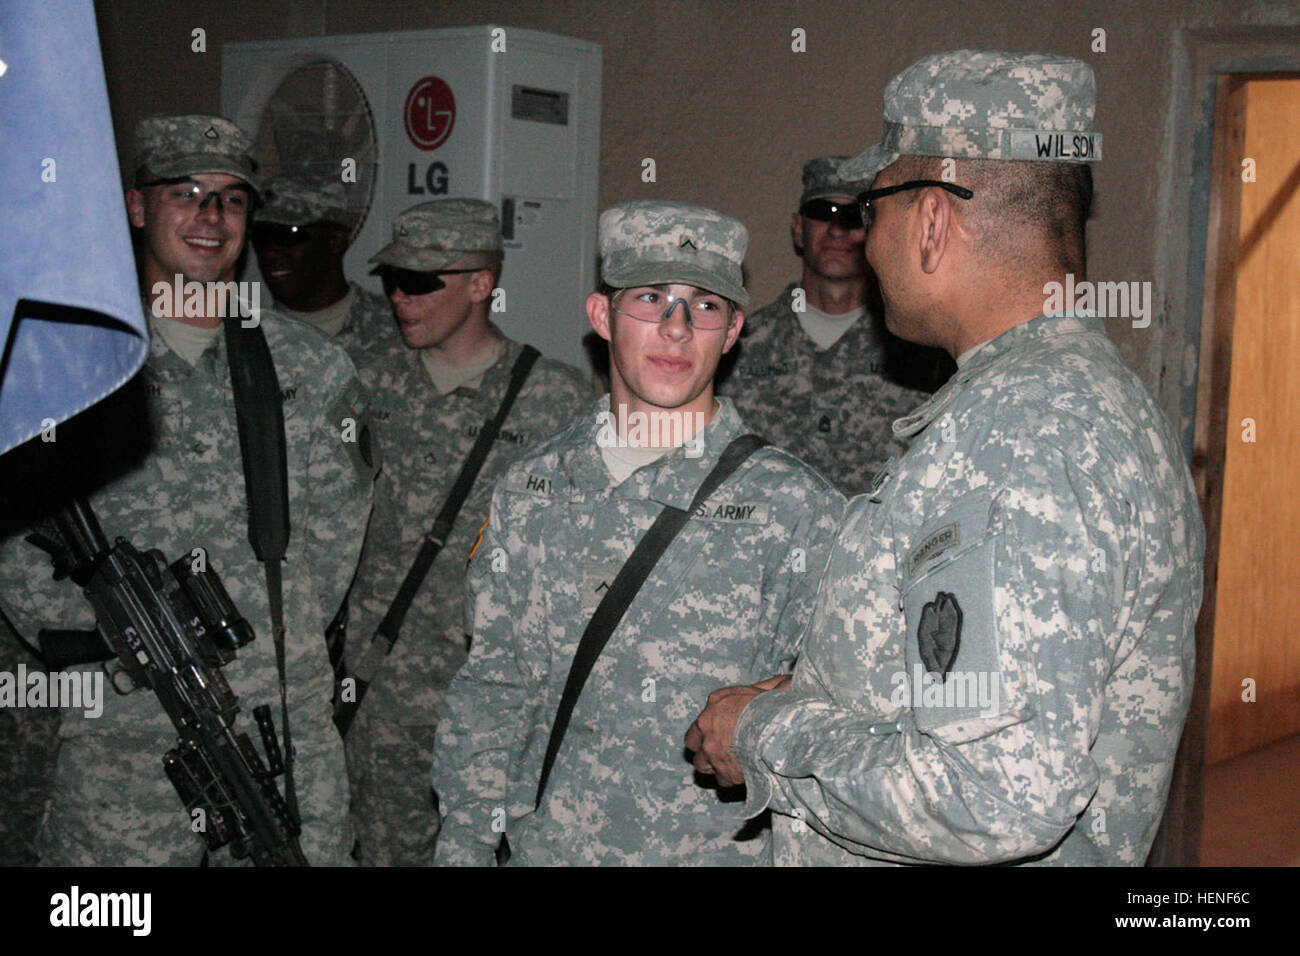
[(72, 326)]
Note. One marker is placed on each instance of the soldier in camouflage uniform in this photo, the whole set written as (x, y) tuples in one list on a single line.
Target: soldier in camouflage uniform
[(300, 236), (818, 373), (1001, 659), (160, 461), (433, 388), (731, 594)]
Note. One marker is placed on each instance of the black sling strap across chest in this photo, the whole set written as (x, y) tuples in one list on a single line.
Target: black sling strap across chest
[(259, 416), (390, 627), (626, 584)]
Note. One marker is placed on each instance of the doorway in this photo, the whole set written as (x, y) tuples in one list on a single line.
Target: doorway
[(1247, 467)]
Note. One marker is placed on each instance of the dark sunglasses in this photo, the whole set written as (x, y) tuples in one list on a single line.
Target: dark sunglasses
[(871, 195), (846, 215), (278, 234), (413, 282)]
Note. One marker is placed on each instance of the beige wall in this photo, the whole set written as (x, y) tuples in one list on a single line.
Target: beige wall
[(712, 91)]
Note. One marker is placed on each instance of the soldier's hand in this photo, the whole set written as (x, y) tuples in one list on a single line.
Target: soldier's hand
[(709, 737)]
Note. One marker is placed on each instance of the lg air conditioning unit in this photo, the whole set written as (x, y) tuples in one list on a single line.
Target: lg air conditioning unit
[(510, 116)]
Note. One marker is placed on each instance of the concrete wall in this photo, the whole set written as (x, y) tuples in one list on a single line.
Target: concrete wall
[(714, 93)]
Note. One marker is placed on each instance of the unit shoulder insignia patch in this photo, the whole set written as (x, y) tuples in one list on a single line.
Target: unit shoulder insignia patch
[(938, 635)]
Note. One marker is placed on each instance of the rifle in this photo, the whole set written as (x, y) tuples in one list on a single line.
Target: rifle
[(171, 629)]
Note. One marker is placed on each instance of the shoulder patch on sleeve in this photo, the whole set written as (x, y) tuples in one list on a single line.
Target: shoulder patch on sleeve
[(953, 673)]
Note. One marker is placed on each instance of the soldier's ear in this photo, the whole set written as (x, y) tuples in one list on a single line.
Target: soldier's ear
[(937, 223), (598, 314), (733, 330), (135, 207), (481, 284), (796, 233)]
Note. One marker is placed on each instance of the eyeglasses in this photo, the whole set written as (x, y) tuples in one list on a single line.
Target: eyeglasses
[(871, 195), (847, 215), (415, 282), (708, 313), (278, 234), (235, 201)]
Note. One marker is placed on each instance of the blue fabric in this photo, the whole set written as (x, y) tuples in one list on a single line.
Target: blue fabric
[(65, 244)]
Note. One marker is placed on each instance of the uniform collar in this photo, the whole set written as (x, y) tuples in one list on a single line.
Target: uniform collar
[(671, 480), (495, 379), (166, 366), (862, 335), (993, 354)]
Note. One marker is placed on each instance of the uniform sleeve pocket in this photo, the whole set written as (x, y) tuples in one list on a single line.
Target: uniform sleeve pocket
[(954, 683)]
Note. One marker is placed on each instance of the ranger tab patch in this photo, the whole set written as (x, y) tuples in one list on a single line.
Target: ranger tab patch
[(935, 544)]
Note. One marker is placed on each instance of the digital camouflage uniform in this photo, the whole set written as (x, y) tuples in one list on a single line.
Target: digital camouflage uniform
[(160, 462), (726, 603), (370, 328), (833, 407), (28, 740), (304, 200), (427, 437), (169, 441), (1042, 534)]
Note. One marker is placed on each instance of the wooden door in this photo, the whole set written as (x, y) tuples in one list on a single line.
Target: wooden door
[(1256, 601)]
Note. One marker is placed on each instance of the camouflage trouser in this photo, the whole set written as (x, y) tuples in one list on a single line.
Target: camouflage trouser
[(393, 807), (114, 806), (28, 744)]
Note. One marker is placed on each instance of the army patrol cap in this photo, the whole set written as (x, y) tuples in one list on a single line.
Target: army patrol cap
[(987, 104), (301, 201), (175, 146), (647, 242), (821, 178), (435, 234)]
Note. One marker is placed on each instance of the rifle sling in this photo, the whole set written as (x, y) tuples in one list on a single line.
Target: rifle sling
[(626, 584), (389, 629), (259, 415)]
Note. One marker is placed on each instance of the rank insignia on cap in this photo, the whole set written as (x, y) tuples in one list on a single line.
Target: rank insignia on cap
[(211, 133), (688, 243), (939, 633)]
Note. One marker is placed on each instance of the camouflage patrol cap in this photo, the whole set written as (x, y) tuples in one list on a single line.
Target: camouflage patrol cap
[(172, 146), (435, 234), (647, 242), (987, 104), (821, 178), (302, 200)]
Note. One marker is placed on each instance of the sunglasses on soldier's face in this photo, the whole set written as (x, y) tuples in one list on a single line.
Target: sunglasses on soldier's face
[(278, 234), (846, 215), (413, 282)]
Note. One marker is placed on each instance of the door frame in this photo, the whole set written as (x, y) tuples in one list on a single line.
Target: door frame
[(1208, 67)]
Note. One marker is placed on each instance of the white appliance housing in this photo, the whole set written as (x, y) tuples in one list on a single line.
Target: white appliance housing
[(498, 113)]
